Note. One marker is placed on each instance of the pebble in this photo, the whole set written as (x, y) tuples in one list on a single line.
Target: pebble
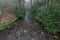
[(42, 33), (19, 38), (25, 31), (18, 32), (32, 39)]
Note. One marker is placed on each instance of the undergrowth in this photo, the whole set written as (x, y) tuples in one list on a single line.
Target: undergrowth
[(4, 24)]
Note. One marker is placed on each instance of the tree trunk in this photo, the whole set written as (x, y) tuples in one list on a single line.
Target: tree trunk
[(1, 11), (21, 3), (48, 2), (31, 3)]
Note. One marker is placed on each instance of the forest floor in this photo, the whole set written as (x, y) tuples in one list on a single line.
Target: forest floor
[(7, 17), (20, 30)]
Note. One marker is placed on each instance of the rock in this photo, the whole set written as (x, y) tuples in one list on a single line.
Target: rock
[(25, 31)]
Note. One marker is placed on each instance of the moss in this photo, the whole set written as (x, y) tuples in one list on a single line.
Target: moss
[(5, 23)]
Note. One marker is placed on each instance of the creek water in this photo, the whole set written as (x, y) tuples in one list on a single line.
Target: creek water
[(27, 17), (28, 21)]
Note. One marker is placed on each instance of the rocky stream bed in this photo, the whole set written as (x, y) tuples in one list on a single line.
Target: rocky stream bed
[(20, 30)]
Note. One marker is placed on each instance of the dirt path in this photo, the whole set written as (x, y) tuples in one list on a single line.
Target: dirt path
[(20, 30)]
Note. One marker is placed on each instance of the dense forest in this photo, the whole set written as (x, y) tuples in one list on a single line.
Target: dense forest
[(45, 12)]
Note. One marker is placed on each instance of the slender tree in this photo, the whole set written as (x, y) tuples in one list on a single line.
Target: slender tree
[(21, 3), (48, 2), (0, 11), (31, 2)]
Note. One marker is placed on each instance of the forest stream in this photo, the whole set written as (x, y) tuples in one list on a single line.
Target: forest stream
[(20, 30), (24, 29)]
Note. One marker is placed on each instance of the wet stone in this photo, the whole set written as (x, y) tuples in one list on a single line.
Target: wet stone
[(33, 39), (19, 38), (25, 31), (18, 32)]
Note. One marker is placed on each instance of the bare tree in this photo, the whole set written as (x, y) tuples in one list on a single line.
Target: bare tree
[(0, 12), (21, 3), (31, 2), (48, 2)]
